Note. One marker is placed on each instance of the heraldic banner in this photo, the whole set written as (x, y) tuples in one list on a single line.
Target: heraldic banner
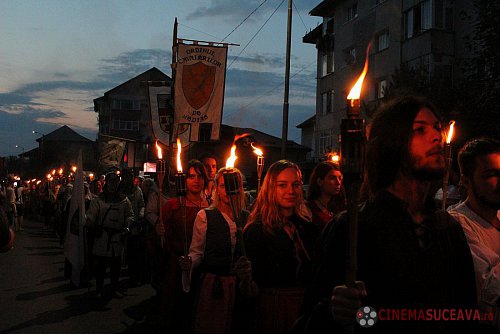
[(199, 87)]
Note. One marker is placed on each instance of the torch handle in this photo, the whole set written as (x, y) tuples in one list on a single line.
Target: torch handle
[(446, 177), (237, 221)]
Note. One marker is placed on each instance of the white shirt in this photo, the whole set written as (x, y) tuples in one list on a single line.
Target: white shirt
[(197, 249), (484, 243)]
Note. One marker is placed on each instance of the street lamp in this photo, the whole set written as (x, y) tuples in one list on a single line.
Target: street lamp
[(42, 144)]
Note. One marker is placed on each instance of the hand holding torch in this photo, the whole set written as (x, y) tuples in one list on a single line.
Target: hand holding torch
[(181, 190), (233, 186), (352, 153), (160, 173)]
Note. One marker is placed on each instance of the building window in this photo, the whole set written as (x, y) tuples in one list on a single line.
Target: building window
[(352, 11), (327, 66), (381, 88), (327, 26), (327, 102), (350, 56), (418, 19), (118, 124), (126, 104), (383, 40), (325, 142)]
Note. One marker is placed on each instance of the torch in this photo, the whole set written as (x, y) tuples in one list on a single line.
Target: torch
[(352, 153), (232, 185), (160, 173), (447, 156), (181, 190), (260, 164)]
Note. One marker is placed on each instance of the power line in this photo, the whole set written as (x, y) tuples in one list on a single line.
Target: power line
[(300, 16), (243, 21), (239, 54), (272, 89), (203, 32)]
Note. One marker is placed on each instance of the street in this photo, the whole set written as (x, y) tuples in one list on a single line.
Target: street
[(36, 298)]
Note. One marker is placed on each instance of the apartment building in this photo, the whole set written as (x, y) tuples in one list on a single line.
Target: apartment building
[(425, 34)]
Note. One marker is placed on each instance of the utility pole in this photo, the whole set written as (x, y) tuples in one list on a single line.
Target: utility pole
[(284, 134)]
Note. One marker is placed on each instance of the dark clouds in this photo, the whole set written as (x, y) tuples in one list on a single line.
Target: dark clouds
[(236, 11), (254, 95)]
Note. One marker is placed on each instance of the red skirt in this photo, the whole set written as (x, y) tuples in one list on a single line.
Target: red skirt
[(214, 310), (278, 309)]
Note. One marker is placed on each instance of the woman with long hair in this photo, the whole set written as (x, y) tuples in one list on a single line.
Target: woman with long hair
[(177, 232), (279, 243), (325, 197), (216, 251)]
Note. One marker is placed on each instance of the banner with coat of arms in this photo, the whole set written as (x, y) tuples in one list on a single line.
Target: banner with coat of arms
[(199, 88)]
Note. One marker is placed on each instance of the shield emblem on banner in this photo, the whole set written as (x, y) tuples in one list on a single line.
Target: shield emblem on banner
[(198, 83)]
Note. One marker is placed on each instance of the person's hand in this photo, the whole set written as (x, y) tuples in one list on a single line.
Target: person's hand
[(160, 229), (346, 301), (185, 263), (243, 270)]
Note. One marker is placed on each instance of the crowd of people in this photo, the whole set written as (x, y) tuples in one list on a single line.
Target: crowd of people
[(277, 264)]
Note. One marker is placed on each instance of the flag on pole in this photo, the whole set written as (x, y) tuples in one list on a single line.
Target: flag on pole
[(74, 245), (199, 88)]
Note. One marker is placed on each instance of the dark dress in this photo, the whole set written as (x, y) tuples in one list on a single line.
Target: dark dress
[(281, 268), (405, 266)]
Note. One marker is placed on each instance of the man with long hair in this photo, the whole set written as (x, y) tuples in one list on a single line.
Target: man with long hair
[(410, 255)]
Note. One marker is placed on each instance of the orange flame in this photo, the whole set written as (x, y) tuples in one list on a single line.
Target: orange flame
[(450, 132), (60, 171), (53, 172), (257, 150), (335, 157), (355, 92), (179, 149), (232, 157), (73, 168), (48, 176), (158, 150)]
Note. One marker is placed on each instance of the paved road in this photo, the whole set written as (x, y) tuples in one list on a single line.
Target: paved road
[(35, 297)]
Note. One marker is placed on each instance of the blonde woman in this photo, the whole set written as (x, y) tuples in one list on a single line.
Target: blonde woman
[(279, 244)]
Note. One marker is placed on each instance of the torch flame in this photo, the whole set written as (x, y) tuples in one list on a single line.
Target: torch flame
[(53, 172), (335, 157), (179, 149), (450, 132), (232, 157), (60, 170), (73, 168), (158, 150), (355, 92), (257, 150)]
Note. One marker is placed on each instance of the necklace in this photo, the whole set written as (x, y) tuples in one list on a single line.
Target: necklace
[(197, 205), (323, 207)]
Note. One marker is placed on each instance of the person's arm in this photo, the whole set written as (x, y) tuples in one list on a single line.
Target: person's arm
[(486, 263), (140, 203), (197, 248), (152, 214)]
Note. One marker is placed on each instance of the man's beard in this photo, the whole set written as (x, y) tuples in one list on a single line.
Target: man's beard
[(424, 173), (495, 205)]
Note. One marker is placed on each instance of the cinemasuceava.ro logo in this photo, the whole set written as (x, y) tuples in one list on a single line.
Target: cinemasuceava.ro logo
[(366, 316)]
